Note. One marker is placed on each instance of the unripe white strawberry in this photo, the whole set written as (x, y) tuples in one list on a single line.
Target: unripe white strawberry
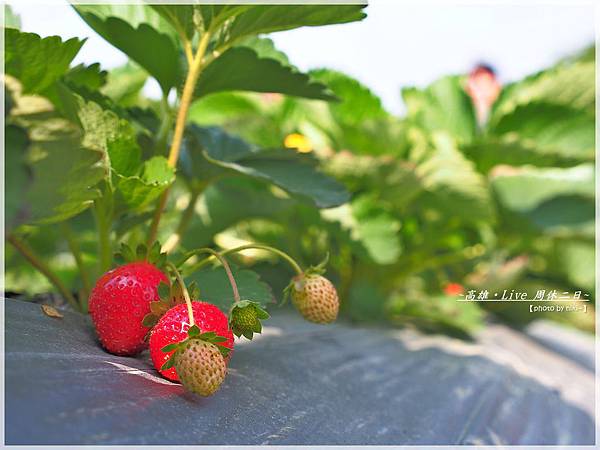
[(315, 298), (200, 366)]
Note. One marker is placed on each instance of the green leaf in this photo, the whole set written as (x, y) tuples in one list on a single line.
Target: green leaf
[(265, 48), (372, 226), (154, 252), (17, 177), (194, 331), (259, 75), (358, 121), (140, 190), (443, 106), (181, 18), (215, 287), (224, 350), (231, 201), (565, 215), (394, 181), (559, 201), (125, 83), (65, 170), (91, 77), (135, 14), (154, 51), (37, 62), (270, 18), (141, 252), (108, 132), (286, 168), (221, 107), (548, 129), (127, 252), (491, 151), (357, 103), (170, 347), (164, 290), (566, 84), (149, 320), (452, 184), (377, 230), (524, 189), (576, 260), (138, 183), (168, 363)]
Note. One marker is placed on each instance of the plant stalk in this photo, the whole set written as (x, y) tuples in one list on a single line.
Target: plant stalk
[(76, 251), (104, 245), (184, 105), (36, 262), (184, 222), (276, 251), (186, 295), (224, 263), (165, 126)]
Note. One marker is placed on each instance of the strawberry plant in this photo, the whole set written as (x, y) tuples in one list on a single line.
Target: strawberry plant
[(439, 197), (93, 166), (462, 192)]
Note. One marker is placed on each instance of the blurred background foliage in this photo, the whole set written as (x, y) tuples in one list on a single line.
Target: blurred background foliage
[(438, 198), (445, 199)]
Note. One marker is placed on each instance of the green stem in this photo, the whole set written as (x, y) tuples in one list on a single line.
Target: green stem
[(103, 227), (36, 262), (187, 216), (165, 126), (278, 252), (187, 95), (186, 295), (76, 251), (224, 263)]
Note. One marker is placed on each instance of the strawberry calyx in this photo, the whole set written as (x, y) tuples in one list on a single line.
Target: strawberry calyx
[(142, 252), (319, 269), (245, 318), (194, 333), (170, 295)]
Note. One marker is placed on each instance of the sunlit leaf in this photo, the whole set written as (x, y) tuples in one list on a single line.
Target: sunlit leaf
[(37, 62), (269, 18), (443, 106), (154, 50), (65, 170), (259, 75), (125, 83), (286, 168)]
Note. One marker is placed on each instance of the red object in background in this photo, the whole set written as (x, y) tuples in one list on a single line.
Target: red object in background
[(483, 88), (454, 289)]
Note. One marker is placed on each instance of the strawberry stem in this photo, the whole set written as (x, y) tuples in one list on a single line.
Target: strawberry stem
[(278, 252), (186, 294), (223, 261), (39, 264), (196, 66)]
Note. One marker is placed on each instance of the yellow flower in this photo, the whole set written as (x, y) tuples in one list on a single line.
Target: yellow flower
[(299, 142)]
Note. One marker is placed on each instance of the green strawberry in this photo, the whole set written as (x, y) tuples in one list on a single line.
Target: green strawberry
[(245, 317)]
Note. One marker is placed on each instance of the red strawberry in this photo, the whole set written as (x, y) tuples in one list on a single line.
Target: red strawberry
[(119, 302), (173, 326)]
